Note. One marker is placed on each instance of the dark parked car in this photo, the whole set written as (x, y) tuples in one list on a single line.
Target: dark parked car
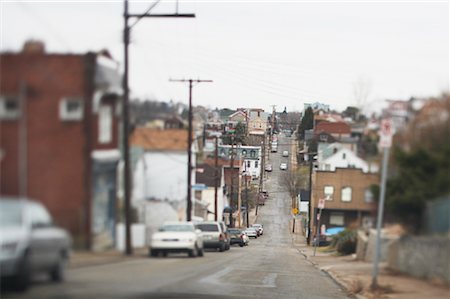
[(30, 242), (237, 237)]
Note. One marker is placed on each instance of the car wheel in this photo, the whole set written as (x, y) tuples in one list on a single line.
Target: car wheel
[(227, 247), (200, 252), (22, 279), (164, 254), (57, 273), (153, 253), (241, 245), (222, 247), (193, 252)]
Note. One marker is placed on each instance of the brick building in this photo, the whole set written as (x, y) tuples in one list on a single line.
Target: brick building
[(59, 137), (349, 201)]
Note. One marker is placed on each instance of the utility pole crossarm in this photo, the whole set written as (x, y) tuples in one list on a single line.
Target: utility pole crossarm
[(177, 15), (190, 80)]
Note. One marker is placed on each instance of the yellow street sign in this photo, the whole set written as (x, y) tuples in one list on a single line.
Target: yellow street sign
[(295, 211)]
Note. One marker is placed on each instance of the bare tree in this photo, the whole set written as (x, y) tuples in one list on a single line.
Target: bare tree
[(293, 120), (294, 180), (361, 90)]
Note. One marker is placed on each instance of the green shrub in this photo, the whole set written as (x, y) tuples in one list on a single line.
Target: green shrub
[(345, 242)]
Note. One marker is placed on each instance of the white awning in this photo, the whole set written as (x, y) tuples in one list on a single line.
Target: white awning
[(112, 155)]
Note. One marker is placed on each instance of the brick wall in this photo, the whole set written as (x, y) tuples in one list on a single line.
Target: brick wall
[(340, 178), (56, 154)]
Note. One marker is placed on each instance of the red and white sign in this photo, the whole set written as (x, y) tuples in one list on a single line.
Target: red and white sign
[(321, 204), (386, 133)]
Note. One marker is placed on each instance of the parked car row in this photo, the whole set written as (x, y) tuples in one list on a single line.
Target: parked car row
[(192, 238)]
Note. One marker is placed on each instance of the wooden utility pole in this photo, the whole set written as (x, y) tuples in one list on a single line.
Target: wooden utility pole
[(216, 176), (125, 111), (239, 197), (189, 149), (232, 181)]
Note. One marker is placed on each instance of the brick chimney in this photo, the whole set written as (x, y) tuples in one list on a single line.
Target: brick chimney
[(33, 47)]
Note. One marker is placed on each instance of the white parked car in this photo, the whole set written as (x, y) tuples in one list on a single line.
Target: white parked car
[(283, 166), (251, 232), (285, 154), (259, 227), (177, 237)]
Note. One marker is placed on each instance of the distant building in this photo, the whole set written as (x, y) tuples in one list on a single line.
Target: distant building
[(257, 122), (59, 123), (335, 129), (316, 107), (206, 174), (349, 200), (234, 119), (250, 157)]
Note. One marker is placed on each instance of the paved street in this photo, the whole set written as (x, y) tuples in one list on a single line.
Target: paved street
[(270, 267)]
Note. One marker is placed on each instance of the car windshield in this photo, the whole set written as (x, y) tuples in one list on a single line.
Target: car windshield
[(208, 227), (10, 213), (177, 228), (234, 231)]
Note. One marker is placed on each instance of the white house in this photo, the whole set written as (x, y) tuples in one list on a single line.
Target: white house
[(160, 172), (250, 156), (345, 158)]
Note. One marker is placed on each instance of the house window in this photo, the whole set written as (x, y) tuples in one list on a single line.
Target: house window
[(346, 194), (328, 192), (368, 195), (256, 164), (71, 109), (105, 124), (9, 107), (252, 154), (249, 164), (344, 156), (198, 194), (336, 218)]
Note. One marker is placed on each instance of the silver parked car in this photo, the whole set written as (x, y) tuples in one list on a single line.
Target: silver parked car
[(214, 235), (30, 242)]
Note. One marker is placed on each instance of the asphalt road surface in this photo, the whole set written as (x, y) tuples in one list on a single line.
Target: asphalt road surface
[(270, 267)]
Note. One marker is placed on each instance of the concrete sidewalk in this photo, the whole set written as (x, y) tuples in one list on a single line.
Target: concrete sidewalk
[(356, 276)]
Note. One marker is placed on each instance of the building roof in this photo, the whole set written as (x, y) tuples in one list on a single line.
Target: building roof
[(160, 140), (332, 128)]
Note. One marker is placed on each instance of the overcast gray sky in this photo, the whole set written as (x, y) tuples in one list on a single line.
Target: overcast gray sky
[(259, 53)]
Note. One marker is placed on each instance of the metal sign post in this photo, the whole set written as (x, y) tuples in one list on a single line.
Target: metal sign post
[(320, 206), (385, 143)]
